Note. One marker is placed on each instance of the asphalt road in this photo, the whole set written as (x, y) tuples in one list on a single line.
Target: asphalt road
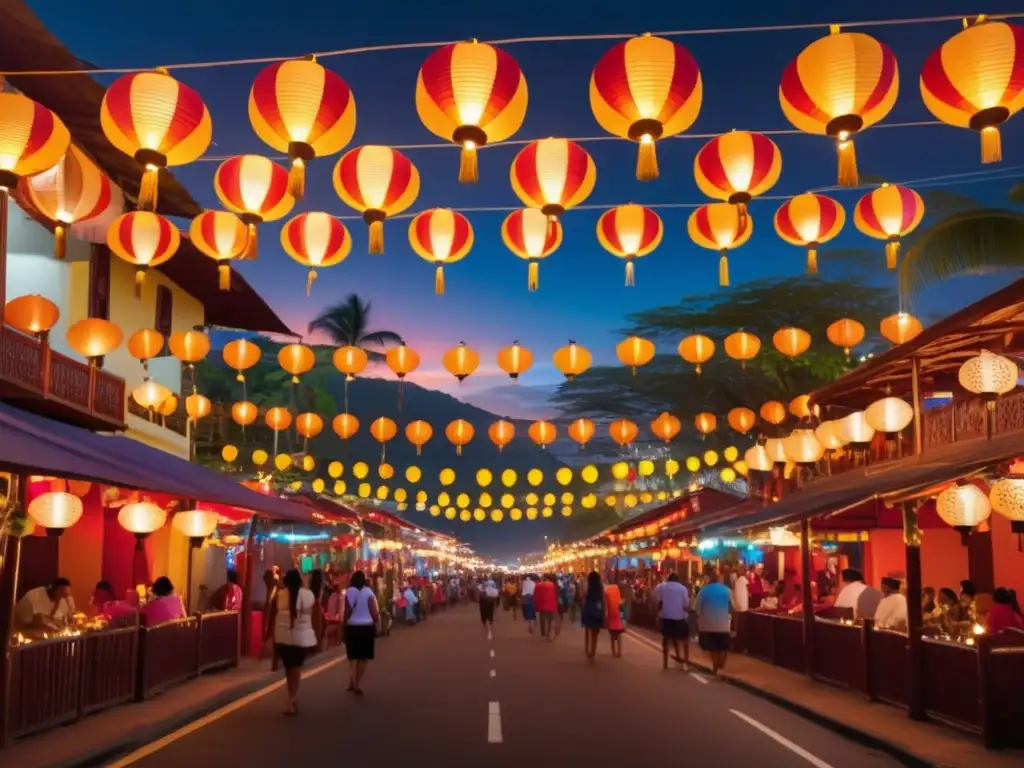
[(442, 691)]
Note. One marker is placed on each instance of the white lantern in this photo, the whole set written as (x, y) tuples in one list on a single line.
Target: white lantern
[(142, 517), (803, 447), (776, 448), (855, 429), (890, 415), (195, 523), (149, 394), (989, 375), (757, 458), (55, 511), (828, 434), (1007, 498), (963, 507), (781, 537)]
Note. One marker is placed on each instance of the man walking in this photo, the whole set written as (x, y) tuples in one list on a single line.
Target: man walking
[(673, 601), (712, 607)]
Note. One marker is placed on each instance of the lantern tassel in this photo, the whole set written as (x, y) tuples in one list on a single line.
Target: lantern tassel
[(297, 178), (469, 171), (533, 276), (458, 450), (60, 246), (647, 160), (847, 164), (630, 274), (310, 279), (892, 252), (252, 246), (140, 280), (419, 450), (812, 261), (148, 187), (439, 281), (723, 271), (224, 274), (376, 237), (991, 145)]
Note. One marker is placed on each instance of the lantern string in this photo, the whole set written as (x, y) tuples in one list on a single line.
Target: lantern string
[(515, 41)]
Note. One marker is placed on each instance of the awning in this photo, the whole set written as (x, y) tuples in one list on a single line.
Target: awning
[(33, 444)]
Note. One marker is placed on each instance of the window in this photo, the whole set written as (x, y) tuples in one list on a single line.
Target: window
[(164, 315)]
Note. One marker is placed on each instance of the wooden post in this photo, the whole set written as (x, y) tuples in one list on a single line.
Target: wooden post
[(918, 403), (12, 561), (915, 612), (989, 737), (4, 212), (250, 567), (807, 599), (866, 661)]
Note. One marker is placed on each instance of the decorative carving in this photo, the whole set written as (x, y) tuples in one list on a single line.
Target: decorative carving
[(21, 359)]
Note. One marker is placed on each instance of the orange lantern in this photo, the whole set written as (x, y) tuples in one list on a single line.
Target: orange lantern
[(345, 425), (645, 89), (305, 110), (157, 120), (222, 236), (581, 431), (629, 232), (459, 433), (837, 86), (278, 418), (167, 406), (143, 239), (501, 433), (635, 352), (773, 412), (402, 360), (32, 139), (383, 429), (256, 189), (696, 350), (440, 236), (889, 213), (623, 431), (845, 333), (378, 182), (472, 94), (737, 167), (901, 327), (189, 346), (31, 314), (197, 406), (705, 423), (315, 240), (461, 361), (514, 360), (800, 406), (543, 433), (742, 420), (532, 236), (350, 361), (241, 354), (144, 344), (418, 433), (808, 221), (244, 413), (296, 359), (572, 360), (553, 175), (742, 346), (720, 227), (93, 337), (666, 426), (73, 190), (792, 342), (973, 80)]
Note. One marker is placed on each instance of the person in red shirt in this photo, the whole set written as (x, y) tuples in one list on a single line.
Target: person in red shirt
[(545, 601), (1005, 612)]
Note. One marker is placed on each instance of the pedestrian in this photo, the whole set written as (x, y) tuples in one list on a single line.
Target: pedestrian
[(592, 614), (574, 598), (512, 597), (292, 620), (673, 600), (613, 618), (409, 595), (361, 617), (529, 609), (488, 599), (712, 607), (545, 601)]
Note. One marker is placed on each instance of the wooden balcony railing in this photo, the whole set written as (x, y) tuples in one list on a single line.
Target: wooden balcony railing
[(176, 422)]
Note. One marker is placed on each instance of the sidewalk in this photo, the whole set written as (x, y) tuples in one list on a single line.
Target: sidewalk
[(888, 727)]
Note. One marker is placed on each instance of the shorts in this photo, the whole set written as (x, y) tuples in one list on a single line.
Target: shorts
[(675, 629), (291, 656), (715, 642)]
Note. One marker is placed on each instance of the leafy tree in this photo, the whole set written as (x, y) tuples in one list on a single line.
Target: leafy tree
[(346, 324)]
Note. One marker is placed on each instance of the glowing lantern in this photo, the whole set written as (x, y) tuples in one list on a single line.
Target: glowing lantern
[(145, 344), (143, 239), (635, 352), (256, 189), (563, 475), (710, 458), (720, 227), (241, 355), (296, 359), (534, 477), (901, 327), (666, 426), (808, 221), (479, 515), (889, 213), (1007, 498), (514, 360), (309, 425), (890, 415), (829, 434), (742, 346), (731, 453), (803, 447), (189, 346), (989, 375), (278, 418), (386, 472), (741, 468), (73, 190), (461, 361), (692, 463), (484, 477), (845, 333), (776, 448), (197, 406), (553, 175), (800, 406), (305, 110), (459, 433), (645, 89), (222, 236), (360, 470), (169, 403), (440, 236), (531, 236), (742, 420), (418, 433), (792, 342), (581, 431), (543, 433), (196, 524), (259, 457), (572, 360), (31, 314), (696, 350), (472, 94), (737, 167), (383, 429), (671, 467), (837, 86), (501, 433), (229, 453), (728, 475), (497, 515), (56, 510), (623, 431), (282, 462), (973, 80), (855, 429), (244, 413), (378, 182), (402, 360), (629, 232), (93, 337), (413, 474), (507, 500), (315, 240), (142, 517), (705, 423), (645, 468), (963, 507), (757, 458), (350, 361), (32, 139)]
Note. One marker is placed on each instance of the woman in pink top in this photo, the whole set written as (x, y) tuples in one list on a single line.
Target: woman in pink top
[(165, 605), (613, 618), (1005, 613)]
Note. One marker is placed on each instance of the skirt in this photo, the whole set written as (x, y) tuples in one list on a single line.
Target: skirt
[(291, 656), (359, 641)]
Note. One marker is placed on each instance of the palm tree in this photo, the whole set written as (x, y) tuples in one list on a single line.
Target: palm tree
[(346, 324)]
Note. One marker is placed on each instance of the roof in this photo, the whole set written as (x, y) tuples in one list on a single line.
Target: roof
[(701, 502)]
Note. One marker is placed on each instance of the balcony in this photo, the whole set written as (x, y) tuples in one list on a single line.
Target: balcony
[(36, 378)]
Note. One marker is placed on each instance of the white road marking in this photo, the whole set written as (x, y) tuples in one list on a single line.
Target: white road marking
[(795, 748), (489, 635), (699, 678), (493, 723), (492, 653), (494, 673)]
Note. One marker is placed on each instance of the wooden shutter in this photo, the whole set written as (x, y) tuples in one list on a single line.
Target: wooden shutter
[(99, 281), (164, 315)]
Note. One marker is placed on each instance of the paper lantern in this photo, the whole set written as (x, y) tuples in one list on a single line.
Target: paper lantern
[(973, 80), (383, 429), (645, 468), (296, 359), (705, 423), (241, 355), (741, 468), (479, 515), (413, 474), (645, 89), (696, 350), (742, 346), (189, 346), (737, 166), (889, 213), (800, 406), (776, 448), (73, 190), (635, 352), (459, 433), (838, 86), (809, 221), (553, 175), (854, 428), (418, 433), (256, 189), (259, 457), (386, 472), (963, 507), (742, 420), (666, 426), (484, 477), (890, 415), (731, 453), (581, 431), (710, 458), (497, 515), (378, 182), (623, 431), (472, 94), (315, 240), (402, 360), (309, 425), (222, 236), (531, 236), (142, 517), (301, 108), (461, 361), (543, 433), (829, 434), (168, 404), (144, 240), (845, 333), (728, 475), (278, 418), (901, 327), (501, 433), (757, 459), (440, 236), (803, 447), (1007, 498), (55, 510), (157, 120), (720, 227), (360, 470), (350, 361), (792, 342), (195, 523), (32, 314), (589, 474), (93, 337), (629, 232), (197, 406), (229, 453), (989, 375), (572, 360), (563, 475), (534, 477), (244, 412), (514, 360), (32, 139)]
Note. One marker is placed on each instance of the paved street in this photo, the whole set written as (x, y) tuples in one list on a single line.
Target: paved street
[(443, 692)]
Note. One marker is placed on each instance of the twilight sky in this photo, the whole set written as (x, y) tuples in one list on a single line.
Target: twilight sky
[(582, 294)]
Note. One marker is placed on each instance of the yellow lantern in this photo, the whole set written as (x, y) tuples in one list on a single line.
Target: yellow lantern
[(515, 514), (484, 477), (572, 360), (435, 511), (340, 487), (485, 499), (383, 429), (378, 182), (229, 453), (418, 433), (197, 407), (514, 360), (731, 453), (549, 499), (497, 515), (260, 457), (32, 139), (543, 433), (465, 515), (620, 470), (32, 314), (589, 501), (222, 236), (413, 474), (629, 232), (803, 447), (241, 354), (741, 468), (547, 512), (566, 511), (501, 433), (360, 470), (282, 461), (773, 412), (845, 333), (386, 471), (461, 361), (145, 344), (350, 361), (854, 428), (963, 507), (508, 478), (363, 490), (671, 467), (645, 468), (720, 227), (401, 495), (890, 415), (308, 463), (318, 485), (446, 476), (563, 475), (728, 475), (742, 346), (381, 493), (534, 477), (309, 425), (800, 406), (345, 425), (635, 352), (589, 474), (402, 360), (696, 350), (531, 513), (710, 458), (692, 464), (150, 394), (142, 517), (507, 500), (278, 418), (479, 515), (459, 433), (666, 426)]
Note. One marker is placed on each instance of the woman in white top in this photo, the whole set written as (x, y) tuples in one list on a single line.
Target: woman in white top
[(292, 620), (361, 616)]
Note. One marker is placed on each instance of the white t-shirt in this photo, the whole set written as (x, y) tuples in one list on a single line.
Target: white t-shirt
[(37, 601), (301, 632), (892, 612), (861, 598), (674, 599), (359, 601), (848, 595), (528, 587), (741, 594)]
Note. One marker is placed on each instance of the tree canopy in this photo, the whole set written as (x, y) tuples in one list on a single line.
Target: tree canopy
[(347, 323)]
